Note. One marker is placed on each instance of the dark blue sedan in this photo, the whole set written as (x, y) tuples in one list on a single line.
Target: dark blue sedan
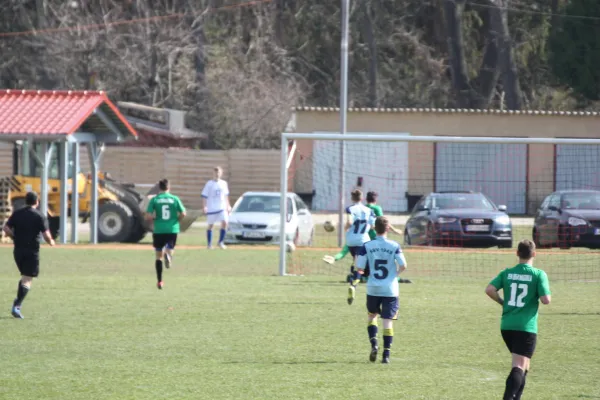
[(458, 219)]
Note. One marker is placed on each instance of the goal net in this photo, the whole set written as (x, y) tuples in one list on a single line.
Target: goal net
[(460, 205)]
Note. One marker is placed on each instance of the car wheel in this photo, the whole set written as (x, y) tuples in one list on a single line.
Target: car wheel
[(536, 238), (429, 241), (507, 245), (406, 238), (564, 239)]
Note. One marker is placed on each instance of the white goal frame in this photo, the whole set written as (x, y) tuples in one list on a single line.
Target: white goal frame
[(285, 163)]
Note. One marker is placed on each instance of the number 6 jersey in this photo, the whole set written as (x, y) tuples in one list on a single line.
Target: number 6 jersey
[(166, 208), (382, 255), (523, 285), (362, 218)]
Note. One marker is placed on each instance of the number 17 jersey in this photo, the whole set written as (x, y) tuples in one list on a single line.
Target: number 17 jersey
[(166, 208), (382, 255), (362, 219)]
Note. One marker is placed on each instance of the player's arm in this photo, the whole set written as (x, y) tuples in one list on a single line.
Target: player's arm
[(349, 218), (8, 228), (544, 289), (400, 261), (227, 198), (205, 198), (149, 214), (493, 287), (45, 230), (396, 231), (180, 210)]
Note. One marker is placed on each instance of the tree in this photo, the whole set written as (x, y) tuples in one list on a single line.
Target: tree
[(575, 49)]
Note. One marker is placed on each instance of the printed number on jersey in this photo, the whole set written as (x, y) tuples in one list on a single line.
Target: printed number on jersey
[(381, 269), (517, 300), (360, 225), (165, 212)]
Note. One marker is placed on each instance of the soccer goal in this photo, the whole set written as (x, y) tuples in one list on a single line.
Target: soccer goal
[(459, 205)]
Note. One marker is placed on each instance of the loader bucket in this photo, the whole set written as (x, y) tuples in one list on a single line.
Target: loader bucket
[(184, 224)]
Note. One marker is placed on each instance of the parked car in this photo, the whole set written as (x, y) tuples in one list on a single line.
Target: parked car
[(458, 219), (568, 218), (255, 218)]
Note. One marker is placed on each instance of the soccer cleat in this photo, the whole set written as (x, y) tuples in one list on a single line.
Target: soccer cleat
[(373, 355), (209, 247), (402, 280), (16, 312), (351, 294), (222, 245), (385, 360), (168, 259), (355, 282), (160, 284)]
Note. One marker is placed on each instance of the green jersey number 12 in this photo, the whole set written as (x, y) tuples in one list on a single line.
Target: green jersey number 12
[(517, 301)]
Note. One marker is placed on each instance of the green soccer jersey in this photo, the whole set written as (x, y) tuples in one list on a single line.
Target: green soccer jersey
[(166, 208), (378, 213), (523, 285)]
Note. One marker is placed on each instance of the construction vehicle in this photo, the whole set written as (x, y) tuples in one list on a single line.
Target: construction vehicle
[(120, 206)]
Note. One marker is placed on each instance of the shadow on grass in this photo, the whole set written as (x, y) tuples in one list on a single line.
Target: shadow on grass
[(294, 303), (297, 362), (576, 314)]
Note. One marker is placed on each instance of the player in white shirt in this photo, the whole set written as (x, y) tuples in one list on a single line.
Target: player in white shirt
[(215, 201), (359, 220)]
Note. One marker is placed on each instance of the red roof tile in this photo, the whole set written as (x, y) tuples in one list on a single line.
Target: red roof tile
[(39, 112)]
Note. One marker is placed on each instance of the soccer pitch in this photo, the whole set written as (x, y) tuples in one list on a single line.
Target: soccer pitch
[(226, 327)]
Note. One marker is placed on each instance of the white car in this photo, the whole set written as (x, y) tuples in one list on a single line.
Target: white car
[(255, 218)]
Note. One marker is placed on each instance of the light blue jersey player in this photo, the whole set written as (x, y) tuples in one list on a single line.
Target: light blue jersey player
[(385, 260), (359, 220)]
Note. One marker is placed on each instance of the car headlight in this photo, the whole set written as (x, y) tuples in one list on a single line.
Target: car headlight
[(577, 221), (235, 225), (446, 220), (503, 220)]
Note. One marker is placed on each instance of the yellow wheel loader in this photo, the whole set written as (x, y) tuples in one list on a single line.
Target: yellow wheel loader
[(120, 207)]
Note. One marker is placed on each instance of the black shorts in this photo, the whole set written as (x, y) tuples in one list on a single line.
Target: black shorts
[(520, 342), (387, 307), (162, 240), (28, 262), (354, 250)]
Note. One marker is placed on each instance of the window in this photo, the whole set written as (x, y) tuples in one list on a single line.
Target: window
[(545, 203), (554, 201), (300, 205), (258, 203)]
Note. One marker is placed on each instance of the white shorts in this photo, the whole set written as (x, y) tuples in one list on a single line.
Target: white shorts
[(212, 219)]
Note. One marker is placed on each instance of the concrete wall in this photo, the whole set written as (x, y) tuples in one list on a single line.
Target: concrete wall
[(541, 162)]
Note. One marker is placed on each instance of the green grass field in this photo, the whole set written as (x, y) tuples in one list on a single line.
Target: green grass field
[(226, 327)]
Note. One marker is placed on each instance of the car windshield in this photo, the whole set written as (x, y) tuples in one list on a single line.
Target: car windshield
[(264, 204), (581, 201), (453, 201)]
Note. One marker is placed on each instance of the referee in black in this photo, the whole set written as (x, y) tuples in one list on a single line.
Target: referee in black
[(24, 227)]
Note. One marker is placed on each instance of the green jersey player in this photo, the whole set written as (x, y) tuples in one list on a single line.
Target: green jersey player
[(524, 287), (378, 211), (166, 210)]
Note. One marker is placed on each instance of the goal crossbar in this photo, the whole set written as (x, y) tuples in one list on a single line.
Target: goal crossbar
[(379, 137)]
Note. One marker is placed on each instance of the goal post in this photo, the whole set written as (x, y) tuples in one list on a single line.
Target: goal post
[(513, 175)]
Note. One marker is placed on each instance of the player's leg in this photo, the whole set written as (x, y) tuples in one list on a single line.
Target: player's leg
[(209, 234), (389, 313), (529, 342), (353, 272), (521, 345), (170, 250), (28, 264), (22, 290), (158, 242), (373, 310), (223, 231)]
